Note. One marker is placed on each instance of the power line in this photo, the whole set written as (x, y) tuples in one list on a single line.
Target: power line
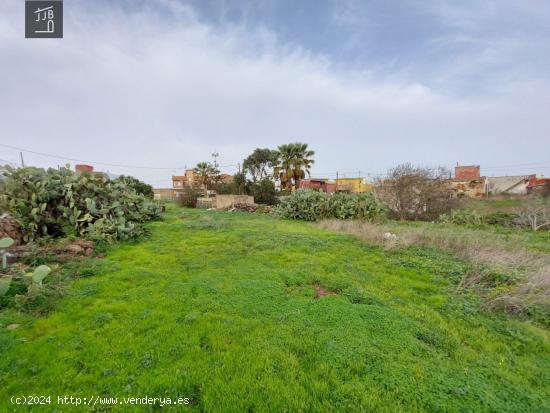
[(85, 161)]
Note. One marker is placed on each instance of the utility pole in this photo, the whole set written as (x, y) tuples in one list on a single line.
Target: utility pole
[(336, 190), (22, 160)]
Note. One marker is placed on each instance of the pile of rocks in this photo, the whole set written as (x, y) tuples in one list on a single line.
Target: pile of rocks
[(244, 207), (78, 247)]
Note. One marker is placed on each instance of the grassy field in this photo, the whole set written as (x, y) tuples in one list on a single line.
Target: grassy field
[(244, 312)]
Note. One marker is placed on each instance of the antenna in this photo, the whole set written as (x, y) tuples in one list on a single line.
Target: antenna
[(215, 156)]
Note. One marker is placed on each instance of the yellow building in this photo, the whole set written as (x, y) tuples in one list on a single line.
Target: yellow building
[(354, 185)]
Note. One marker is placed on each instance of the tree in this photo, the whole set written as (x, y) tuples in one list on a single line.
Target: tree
[(294, 161), (206, 173), (260, 163), (239, 180), (415, 193), (264, 192)]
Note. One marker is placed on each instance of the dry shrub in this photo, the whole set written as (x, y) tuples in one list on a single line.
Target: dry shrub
[(486, 253)]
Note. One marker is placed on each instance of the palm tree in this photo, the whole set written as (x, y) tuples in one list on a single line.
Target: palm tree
[(205, 171), (294, 162)]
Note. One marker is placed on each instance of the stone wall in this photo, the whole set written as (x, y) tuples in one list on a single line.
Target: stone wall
[(227, 201), (224, 201)]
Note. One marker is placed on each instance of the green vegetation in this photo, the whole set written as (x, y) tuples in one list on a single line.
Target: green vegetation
[(294, 160), (508, 269), (311, 205), (297, 318), (137, 185), (60, 202)]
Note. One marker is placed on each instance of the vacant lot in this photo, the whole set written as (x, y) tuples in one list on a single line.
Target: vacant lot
[(244, 312)]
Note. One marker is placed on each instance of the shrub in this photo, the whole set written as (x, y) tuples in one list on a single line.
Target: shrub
[(354, 206), (414, 193), (505, 219), (310, 205), (189, 195), (462, 217), (60, 202), (137, 185), (307, 205), (264, 192)]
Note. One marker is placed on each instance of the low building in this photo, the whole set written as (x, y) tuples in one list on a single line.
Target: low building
[(513, 185), (467, 182), (319, 184), (353, 185), (539, 185)]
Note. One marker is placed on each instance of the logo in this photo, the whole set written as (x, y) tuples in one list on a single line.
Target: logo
[(43, 19)]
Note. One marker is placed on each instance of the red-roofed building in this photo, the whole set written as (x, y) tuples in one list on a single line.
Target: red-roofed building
[(538, 184)]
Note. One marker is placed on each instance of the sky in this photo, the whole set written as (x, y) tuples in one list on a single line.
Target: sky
[(148, 88)]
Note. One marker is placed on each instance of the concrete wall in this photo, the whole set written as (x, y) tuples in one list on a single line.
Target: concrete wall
[(163, 194), (508, 184), (227, 201), (224, 201)]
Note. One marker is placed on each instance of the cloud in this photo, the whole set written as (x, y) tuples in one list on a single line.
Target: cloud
[(155, 86)]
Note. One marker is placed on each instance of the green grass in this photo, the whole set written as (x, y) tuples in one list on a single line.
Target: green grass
[(221, 307)]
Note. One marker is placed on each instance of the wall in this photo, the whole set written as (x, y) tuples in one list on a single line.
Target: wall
[(469, 188), (354, 185), (508, 184), (226, 201), (165, 194), (467, 172)]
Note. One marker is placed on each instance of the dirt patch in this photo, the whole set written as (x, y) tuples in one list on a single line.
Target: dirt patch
[(9, 227), (61, 251), (78, 247), (321, 291)]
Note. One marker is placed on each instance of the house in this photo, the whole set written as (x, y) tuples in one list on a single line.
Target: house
[(320, 184), (189, 178), (467, 182), (353, 185), (225, 178), (516, 185), (538, 184)]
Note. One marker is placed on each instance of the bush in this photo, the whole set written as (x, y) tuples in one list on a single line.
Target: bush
[(137, 185), (264, 192), (189, 195), (462, 217), (506, 219), (60, 202), (416, 194), (310, 205)]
